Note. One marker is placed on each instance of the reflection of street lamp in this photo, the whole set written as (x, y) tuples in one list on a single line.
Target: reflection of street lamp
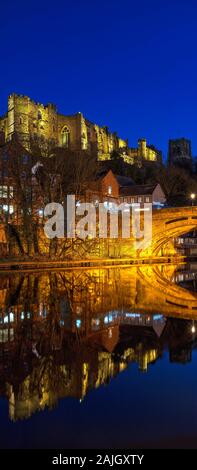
[(192, 197), (193, 328)]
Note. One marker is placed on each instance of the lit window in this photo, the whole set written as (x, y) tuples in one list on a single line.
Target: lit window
[(139, 199), (11, 316), (109, 189), (4, 191), (7, 208), (4, 335), (65, 137), (147, 199)]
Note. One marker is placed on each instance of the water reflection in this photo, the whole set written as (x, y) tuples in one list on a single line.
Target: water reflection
[(65, 333)]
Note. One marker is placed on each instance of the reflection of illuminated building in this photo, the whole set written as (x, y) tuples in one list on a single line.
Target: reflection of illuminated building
[(74, 371), (71, 332), (48, 382)]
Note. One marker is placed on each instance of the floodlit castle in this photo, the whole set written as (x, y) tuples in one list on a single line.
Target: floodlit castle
[(38, 125)]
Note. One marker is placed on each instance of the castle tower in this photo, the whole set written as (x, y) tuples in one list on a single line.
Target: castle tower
[(179, 152), (18, 119), (34, 123), (142, 148)]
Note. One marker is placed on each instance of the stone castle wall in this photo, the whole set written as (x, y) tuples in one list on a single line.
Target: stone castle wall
[(36, 124)]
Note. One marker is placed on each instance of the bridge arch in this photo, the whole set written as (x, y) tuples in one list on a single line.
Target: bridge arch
[(168, 224)]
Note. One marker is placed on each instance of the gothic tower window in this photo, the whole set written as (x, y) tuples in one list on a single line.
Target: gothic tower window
[(39, 115), (65, 137), (21, 120)]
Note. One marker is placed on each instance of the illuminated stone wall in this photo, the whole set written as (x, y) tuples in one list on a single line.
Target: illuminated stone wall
[(42, 126), (144, 152)]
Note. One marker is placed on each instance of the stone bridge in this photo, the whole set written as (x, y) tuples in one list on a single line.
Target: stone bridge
[(169, 223)]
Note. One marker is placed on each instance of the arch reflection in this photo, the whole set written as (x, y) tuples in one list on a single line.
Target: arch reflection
[(65, 333)]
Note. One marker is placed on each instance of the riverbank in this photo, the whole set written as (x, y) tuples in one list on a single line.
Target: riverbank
[(24, 264)]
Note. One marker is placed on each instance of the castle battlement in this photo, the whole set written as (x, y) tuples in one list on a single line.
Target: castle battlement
[(22, 98), (42, 127)]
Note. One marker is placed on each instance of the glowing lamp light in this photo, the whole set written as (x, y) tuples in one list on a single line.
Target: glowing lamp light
[(192, 197), (78, 323)]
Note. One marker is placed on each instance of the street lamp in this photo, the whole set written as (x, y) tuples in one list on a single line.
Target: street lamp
[(192, 197)]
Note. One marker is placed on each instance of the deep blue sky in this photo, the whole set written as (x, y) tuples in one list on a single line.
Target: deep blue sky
[(131, 65)]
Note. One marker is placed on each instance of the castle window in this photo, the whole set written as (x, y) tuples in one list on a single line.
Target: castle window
[(65, 137), (21, 120), (39, 115)]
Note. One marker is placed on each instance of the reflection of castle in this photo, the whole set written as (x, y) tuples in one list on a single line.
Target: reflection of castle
[(71, 372), (77, 368), (62, 334), (50, 381)]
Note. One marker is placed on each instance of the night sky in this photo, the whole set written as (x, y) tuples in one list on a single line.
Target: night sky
[(131, 65)]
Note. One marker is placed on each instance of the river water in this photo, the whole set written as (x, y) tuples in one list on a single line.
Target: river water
[(100, 358)]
